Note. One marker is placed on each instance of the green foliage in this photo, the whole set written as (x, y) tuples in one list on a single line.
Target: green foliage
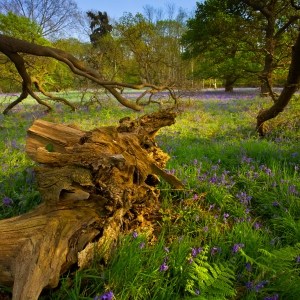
[(239, 190), (99, 24), (155, 47), (219, 54), (22, 28), (210, 280)]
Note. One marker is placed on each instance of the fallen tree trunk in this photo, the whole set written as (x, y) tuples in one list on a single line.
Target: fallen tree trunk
[(94, 184)]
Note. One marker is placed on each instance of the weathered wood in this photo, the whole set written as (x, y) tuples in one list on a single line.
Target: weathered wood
[(93, 184), (42, 133), (39, 246)]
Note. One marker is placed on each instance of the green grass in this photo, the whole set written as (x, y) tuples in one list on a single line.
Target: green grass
[(239, 190)]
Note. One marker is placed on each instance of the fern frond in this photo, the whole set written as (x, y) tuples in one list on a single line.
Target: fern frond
[(253, 261), (214, 281)]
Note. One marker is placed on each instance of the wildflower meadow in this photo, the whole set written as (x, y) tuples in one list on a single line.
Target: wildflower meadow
[(233, 232)]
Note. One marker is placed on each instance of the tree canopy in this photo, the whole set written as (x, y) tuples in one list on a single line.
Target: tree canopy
[(257, 35)]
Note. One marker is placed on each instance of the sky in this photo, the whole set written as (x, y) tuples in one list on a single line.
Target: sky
[(116, 8)]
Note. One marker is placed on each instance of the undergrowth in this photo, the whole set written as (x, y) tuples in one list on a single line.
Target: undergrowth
[(232, 233)]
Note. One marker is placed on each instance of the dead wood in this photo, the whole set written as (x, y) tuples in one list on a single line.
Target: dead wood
[(94, 184)]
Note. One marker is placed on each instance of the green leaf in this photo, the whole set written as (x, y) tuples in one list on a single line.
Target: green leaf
[(49, 147)]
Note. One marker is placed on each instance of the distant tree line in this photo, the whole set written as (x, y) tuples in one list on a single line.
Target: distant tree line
[(232, 43)]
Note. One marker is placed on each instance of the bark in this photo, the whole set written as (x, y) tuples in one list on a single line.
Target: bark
[(94, 184), (267, 73), (273, 31), (290, 87), (229, 84), (11, 47)]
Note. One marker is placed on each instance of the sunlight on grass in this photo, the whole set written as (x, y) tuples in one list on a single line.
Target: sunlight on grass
[(233, 233)]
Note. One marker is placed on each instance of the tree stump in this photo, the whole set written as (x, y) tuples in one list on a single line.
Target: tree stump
[(94, 184)]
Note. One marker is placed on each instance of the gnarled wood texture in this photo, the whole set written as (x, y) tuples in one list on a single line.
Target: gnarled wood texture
[(94, 184)]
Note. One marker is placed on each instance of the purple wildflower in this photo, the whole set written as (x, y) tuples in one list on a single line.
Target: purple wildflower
[(260, 285), (255, 175), (236, 247), (298, 259), (256, 225), (249, 285), (205, 228), (197, 218), (275, 297), (106, 296), (268, 171), (196, 251), (211, 207), (197, 291), (214, 249), (243, 197), (135, 235), (163, 267), (195, 197), (225, 216), (7, 201), (214, 179), (292, 189), (166, 249), (142, 245), (248, 267)]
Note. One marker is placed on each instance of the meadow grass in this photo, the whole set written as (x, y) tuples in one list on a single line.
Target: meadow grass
[(232, 233)]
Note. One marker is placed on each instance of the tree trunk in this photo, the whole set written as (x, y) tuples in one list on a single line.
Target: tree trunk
[(267, 73), (291, 86), (267, 76), (229, 84), (94, 184)]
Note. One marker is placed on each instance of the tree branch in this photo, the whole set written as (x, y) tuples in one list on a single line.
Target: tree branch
[(11, 46), (291, 86), (259, 7)]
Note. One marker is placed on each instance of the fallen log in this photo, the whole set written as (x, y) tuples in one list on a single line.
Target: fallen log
[(94, 184)]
